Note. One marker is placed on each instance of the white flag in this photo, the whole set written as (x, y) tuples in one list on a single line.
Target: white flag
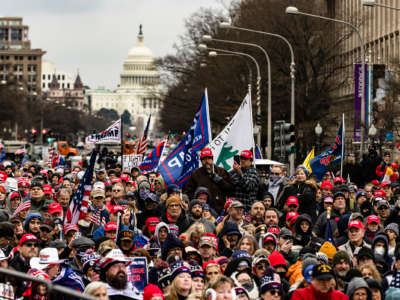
[(111, 135), (235, 137)]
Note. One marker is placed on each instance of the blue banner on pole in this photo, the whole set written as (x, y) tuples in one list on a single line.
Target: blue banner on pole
[(151, 162), (184, 159), (333, 155)]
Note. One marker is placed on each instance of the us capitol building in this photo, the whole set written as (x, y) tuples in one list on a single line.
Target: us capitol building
[(139, 90)]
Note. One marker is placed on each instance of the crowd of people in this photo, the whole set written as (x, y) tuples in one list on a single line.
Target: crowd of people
[(244, 234)]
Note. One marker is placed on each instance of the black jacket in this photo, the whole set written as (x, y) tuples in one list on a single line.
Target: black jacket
[(183, 221)]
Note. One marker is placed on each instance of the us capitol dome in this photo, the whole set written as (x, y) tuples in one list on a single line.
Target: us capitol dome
[(139, 90)]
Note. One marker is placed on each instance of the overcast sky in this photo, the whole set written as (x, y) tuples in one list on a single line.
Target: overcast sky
[(95, 36)]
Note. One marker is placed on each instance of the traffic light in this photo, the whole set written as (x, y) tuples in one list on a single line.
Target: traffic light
[(284, 139)]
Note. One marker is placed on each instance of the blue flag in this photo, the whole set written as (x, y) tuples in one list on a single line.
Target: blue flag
[(258, 153), (151, 162), (184, 159), (329, 234), (2, 154), (333, 155)]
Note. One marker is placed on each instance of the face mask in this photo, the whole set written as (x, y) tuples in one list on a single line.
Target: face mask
[(379, 251), (282, 274), (274, 179), (248, 286)]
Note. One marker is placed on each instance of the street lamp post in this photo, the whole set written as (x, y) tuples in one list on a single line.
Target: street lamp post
[(292, 77), (204, 47), (373, 3), (318, 132), (208, 38), (294, 11)]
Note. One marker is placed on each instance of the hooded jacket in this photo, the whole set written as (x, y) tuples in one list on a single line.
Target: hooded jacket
[(357, 283), (230, 228), (29, 217), (302, 238), (219, 186), (155, 242), (385, 256)]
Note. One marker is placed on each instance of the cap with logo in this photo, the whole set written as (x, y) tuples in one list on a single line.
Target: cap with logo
[(127, 235), (322, 271), (206, 152), (47, 189), (373, 219), (355, 224), (47, 258), (116, 208), (291, 214), (246, 154), (99, 192), (110, 226), (151, 223), (54, 208), (26, 238), (236, 204), (292, 200)]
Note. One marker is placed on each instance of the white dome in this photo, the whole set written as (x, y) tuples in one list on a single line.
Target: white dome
[(140, 53)]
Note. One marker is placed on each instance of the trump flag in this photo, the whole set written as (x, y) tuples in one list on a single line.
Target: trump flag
[(184, 159), (151, 162)]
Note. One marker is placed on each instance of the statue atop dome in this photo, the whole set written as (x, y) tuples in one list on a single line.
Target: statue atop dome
[(140, 29)]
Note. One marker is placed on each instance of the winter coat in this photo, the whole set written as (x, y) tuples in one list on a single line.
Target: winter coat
[(245, 186), (320, 224), (310, 293), (305, 192), (155, 242), (208, 225), (228, 229), (294, 272), (183, 221), (349, 249), (219, 186), (299, 237), (38, 206)]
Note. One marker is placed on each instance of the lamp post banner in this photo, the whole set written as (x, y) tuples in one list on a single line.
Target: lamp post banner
[(358, 98)]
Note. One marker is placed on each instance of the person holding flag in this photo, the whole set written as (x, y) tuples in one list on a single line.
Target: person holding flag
[(216, 179)]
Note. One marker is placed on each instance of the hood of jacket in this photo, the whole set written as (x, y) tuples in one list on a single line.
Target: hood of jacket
[(261, 240), (201, 190), (158, 227), (303, 217), (357, 283), (380, 237)]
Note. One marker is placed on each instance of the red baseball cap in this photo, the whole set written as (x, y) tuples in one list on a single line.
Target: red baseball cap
[(380, 193), (116, 208), (47, 189), (338, 179), (44, 172), (151, 223), (110, 226), (385, 183), (55, 207), (69, 227), (116, 179), (15, 195), (269, 238), (326, 185), (291, 214), (274, 229), (375, 182), (27, 237), (246, 154), (23, 181), (3, 176), (206, 152), (292, 200), (355, 224), (124, 177), (373, 218)]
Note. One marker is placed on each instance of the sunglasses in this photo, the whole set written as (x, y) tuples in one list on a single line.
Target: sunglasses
[(260, 267), (30, 245), (276, 174), (116, 191), (293, 206), (275, 292)]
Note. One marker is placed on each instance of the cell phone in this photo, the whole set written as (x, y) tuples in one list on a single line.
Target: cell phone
[(237, 159)]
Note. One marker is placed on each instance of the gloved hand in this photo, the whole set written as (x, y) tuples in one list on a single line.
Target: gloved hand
[(216, 178)]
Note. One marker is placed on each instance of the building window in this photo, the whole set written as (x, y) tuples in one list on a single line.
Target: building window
[(3, 34), (44, 76), (67, 85), (43, 85), (58, 77), (63, 77), (48, 76), (16, 34)]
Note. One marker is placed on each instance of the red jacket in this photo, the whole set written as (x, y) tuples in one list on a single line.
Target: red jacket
[(310, 293)]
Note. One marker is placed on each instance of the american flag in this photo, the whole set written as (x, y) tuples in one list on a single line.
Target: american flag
[(142, 145), (21, 207), (95, 218), (80, 200)]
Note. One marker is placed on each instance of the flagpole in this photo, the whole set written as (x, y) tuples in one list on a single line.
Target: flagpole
[(343, 141), (122, 146), (162, 152), (252, 125), (208, 125)]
